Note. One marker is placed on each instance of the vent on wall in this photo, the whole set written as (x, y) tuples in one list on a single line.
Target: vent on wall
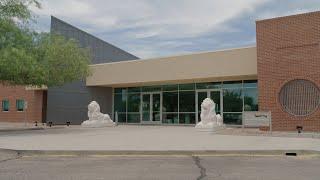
[(299, 97)]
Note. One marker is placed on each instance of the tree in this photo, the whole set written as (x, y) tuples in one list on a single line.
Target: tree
[(31, 58), (10, 9)]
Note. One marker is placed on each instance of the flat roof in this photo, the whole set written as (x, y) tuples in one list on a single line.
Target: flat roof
[(230, 64)]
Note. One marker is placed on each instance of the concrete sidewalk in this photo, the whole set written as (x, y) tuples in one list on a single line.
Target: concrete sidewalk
[(148, 138), (9, 126)]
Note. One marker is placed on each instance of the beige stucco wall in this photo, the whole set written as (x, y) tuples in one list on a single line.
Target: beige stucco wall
[(233, 64)]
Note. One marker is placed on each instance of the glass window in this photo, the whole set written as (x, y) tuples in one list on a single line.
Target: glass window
[(250, 83), (120, 90), (232, 100), (121, 117), (170, 118), (232, 118), (170, 87), (151, 88), (250, 99), (187, 118), (134, 89), (133, 118), (134, 102), (120, 102), (232, 84), (187, 101), (5, 105), (186, 86), (20, 104), (146, 106), (209, 85), (170, 102)]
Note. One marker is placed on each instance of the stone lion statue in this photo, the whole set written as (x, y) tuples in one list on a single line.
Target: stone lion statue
[(209, 118), (96, 118)]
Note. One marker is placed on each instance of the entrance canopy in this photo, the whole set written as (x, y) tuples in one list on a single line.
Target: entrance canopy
[(233, 64)]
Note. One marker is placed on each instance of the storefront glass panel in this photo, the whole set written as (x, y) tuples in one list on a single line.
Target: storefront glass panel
[(146, 108), (187, 101), (151, 88), (170, 102), (120, 102), (232, 100), (209, 85), (250, 99), (133, 118), (232, 118), (134, 90), (170, 87), (134, 102), (170, 118), (187, 86), (122, 117), (177, 104), (187, 118)]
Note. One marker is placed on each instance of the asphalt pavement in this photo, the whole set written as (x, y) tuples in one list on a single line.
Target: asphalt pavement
[(160, 167)]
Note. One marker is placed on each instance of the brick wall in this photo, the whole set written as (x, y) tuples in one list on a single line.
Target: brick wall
[(34, 99), (288, 48)]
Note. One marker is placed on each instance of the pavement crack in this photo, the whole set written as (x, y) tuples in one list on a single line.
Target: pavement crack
[(197, 161), (18, 156)]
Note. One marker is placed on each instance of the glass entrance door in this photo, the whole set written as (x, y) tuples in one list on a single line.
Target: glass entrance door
[(151, 107), (215, 95)]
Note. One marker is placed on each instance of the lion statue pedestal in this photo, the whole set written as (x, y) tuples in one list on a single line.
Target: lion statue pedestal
[(209, 118), (96, 118)]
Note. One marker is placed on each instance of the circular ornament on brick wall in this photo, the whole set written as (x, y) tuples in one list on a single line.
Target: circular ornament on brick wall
[(299, 97)]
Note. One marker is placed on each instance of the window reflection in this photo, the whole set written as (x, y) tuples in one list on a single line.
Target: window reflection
[(179, 103), (187, 101), (250, 99), (232, 100)]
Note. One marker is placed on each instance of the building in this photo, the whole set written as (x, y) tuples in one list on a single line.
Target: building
[(69, 102), (22, 104), (281, 74), (170, 90), (288, 57)]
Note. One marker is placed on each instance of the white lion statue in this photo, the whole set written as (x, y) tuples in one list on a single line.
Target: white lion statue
[(209, 118), (96, 118)]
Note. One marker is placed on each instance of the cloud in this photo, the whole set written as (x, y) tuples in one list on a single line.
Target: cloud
[(149, 28), (167, 18)]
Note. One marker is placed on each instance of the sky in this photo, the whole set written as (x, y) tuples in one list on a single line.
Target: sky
[(157, 28)]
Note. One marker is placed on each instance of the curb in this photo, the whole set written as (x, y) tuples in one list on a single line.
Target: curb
[(21, 129), (31, 129), (167, 153), (7, 154)]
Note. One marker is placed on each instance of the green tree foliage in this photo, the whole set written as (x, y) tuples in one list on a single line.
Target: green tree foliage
[(31, 58), (10, 9), (63, 61)]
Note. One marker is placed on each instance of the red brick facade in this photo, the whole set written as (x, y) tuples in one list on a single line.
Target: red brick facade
[(34, 100), (288, 48)]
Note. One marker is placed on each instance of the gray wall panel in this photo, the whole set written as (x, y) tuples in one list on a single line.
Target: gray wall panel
[(69, 102)]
